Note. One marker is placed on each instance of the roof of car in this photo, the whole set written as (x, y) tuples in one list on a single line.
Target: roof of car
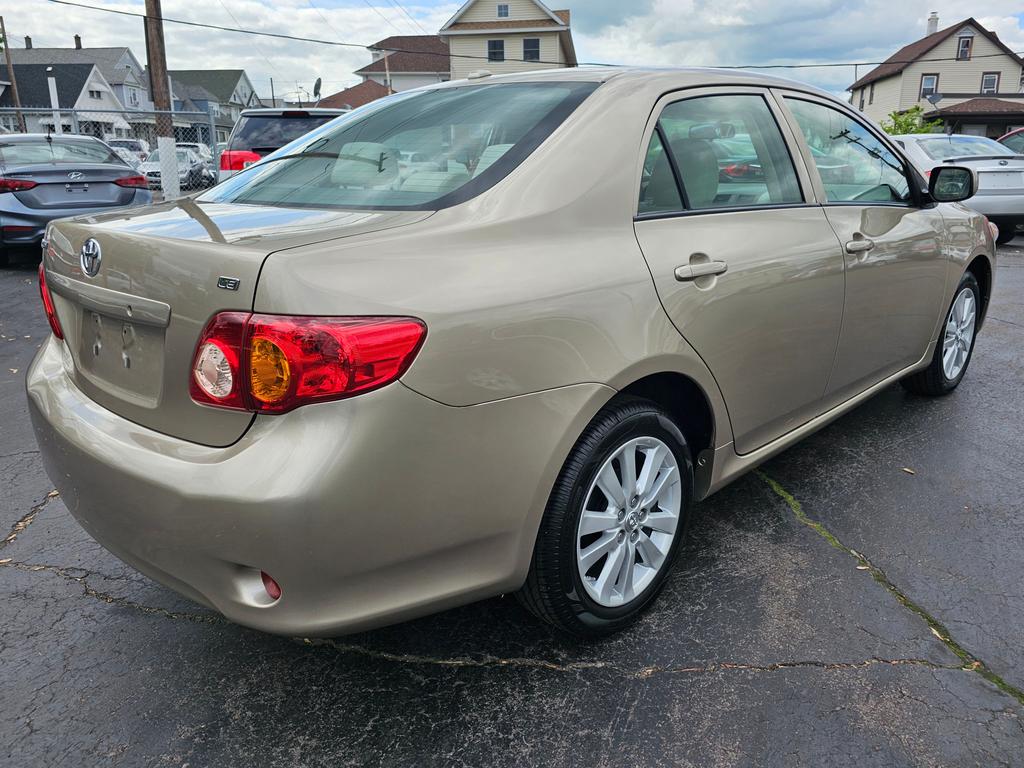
[(60, 136), (282, 110)]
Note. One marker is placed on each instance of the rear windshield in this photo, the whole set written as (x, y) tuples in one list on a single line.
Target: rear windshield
[(131, 144), (961, 146), (419, 150), (180, 154), (265, 133), (56, 151)]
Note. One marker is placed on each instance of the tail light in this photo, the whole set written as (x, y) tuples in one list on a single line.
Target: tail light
[(275, 363), (237, 159), (131, 181), (51, 313), (8, 184)]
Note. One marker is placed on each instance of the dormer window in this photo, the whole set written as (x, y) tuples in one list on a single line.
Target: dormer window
[(502, 10), (963, 48)]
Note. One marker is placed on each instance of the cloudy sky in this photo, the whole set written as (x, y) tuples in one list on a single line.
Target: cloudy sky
[(647, 32)]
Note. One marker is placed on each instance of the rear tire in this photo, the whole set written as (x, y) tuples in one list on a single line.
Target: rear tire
[(954, 347), (639, 534), (1006, 234)]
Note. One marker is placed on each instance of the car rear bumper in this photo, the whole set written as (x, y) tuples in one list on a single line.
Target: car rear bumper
[(366, 511), (31, 222), (1007, 207)]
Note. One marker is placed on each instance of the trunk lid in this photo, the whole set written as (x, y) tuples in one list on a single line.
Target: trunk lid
[(78, 186), (996, 174), (132, 328)]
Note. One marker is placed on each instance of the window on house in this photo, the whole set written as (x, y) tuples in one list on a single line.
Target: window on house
[(871, 94), (929, 85), (990, 82), (502, 10), (963, 48), (531, 49), (95, 95), (860, 101), (495, 50)]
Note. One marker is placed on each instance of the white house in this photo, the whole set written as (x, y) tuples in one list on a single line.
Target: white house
[(509, 36), (401, 62)]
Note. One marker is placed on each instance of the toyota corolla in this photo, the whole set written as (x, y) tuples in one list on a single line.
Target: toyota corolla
[(341, 389)]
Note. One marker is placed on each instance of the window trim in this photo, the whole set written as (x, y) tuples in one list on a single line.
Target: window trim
[(871, 94), (920, 90), (501, 42), (531, 40), (507, 10), (959, 47), (997, 75), (702, 92), (860, 100), (914, 180)]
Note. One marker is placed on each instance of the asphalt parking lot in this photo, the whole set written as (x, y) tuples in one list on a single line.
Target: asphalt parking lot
[(857, 601)]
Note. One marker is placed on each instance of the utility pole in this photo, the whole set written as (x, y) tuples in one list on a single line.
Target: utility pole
[(273, 101), (160, 92), (10, 76)]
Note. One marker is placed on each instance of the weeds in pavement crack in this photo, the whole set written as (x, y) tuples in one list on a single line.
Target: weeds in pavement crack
[(968, 660)]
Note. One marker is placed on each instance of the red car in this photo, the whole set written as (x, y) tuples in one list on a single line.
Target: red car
[(1014, 140)]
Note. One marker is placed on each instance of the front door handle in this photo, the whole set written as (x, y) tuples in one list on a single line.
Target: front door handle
[(700, 269), (860, 245)]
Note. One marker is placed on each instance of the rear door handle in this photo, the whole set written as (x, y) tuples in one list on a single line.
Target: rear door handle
[(860, 245), (700, 269)]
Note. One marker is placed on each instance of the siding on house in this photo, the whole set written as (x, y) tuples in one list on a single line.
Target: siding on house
[(487, 10), (476, 45)]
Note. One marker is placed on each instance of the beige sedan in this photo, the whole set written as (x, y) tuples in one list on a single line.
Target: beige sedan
[(491, 336)]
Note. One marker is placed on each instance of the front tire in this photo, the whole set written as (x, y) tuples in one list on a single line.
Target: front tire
[(613, 523), (955, 344)]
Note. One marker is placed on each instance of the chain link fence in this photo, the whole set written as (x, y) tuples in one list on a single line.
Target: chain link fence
[(177, 152)]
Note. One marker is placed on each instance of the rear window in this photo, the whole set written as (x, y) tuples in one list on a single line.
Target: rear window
[(56, 151), (134, 146), (265, 133), (961, 146), (419, 150)]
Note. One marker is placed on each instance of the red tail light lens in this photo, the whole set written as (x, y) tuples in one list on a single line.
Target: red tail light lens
[(8, 184), (51, 313), (275, 363), (237, 159), (131, 181)]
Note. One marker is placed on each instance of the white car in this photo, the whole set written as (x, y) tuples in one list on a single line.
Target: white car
[(1000, 172)]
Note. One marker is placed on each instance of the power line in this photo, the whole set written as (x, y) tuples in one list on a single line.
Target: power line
[(386, 19), (342, 44), (401, 7), (255, 45)]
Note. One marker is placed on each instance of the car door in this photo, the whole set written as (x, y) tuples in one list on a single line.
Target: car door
[(895, 268), (744, 260)]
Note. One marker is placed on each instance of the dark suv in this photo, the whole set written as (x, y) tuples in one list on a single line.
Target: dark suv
[(259, 132)]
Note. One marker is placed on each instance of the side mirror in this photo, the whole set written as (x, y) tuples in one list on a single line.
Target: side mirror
[(952, 183)]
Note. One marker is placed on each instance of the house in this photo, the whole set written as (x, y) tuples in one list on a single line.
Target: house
[(79, 87), (401, 62), (118, 65), (225, 93), (356, 96), (976, 75), (512, 36)]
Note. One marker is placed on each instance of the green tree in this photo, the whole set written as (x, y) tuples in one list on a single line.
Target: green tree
[(910, 121)]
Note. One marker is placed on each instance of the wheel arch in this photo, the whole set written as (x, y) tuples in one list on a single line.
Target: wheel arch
[(981, 268)]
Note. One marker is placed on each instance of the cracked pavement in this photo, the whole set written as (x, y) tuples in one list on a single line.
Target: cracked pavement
[(829, 609)]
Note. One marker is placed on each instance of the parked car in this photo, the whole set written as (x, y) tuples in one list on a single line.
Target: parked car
[(323, 396), (127, 157), (259, 132), (138, 147), (1000, 169), (191, 170), (1014, 140), (202, 150), (48, 177)]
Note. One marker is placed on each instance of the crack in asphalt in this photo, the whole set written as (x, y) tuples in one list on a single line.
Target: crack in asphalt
[(24, 522), (80, 576), (969, 661)]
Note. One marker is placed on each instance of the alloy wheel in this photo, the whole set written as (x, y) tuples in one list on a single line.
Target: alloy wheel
[(630, 516), (956, 343)]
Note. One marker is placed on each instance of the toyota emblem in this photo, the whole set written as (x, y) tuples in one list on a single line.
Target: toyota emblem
[(90, 257), (75, 175)]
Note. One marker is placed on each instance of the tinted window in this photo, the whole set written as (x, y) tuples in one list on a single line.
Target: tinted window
[(728, 151), (56, 151), (944, 147), (418, 150), (1015, 143), (531, 49), (265, 133), (853, 164), (658, 189)]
